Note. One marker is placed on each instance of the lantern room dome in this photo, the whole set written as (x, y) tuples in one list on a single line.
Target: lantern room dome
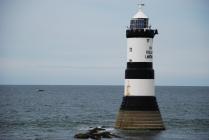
[(139, 14)]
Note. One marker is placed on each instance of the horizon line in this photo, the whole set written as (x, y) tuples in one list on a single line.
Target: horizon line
[(94, 85)]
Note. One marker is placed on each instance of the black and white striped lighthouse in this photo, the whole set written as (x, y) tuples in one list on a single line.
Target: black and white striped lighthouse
[(139, 108)]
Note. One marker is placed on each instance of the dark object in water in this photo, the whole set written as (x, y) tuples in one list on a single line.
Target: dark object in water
[(40, 90), (82, 136), (96, 133)]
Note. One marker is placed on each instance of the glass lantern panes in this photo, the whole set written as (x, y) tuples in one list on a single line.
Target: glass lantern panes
[(139, 23)]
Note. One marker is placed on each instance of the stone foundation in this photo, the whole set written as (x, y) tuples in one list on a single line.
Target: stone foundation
[(143, 120)]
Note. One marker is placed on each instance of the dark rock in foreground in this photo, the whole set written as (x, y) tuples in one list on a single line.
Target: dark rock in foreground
[(81, 136), (96, 133)]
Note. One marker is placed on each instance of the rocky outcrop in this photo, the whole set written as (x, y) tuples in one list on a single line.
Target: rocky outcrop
[(96, 133)]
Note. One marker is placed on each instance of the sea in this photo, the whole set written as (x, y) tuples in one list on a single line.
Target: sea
[(59, 112)]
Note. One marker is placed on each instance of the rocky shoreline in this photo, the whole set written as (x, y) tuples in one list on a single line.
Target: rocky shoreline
[(96, 133)]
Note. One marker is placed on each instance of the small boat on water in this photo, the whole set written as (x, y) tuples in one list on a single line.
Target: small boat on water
[(40, 90)]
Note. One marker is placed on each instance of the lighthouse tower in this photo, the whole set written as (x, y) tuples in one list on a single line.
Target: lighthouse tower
[(139, 108)]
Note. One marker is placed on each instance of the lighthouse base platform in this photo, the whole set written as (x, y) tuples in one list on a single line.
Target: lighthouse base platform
[(139, 113), (144, 120)]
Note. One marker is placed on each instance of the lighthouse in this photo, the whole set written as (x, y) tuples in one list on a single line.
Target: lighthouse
[(139, 108)]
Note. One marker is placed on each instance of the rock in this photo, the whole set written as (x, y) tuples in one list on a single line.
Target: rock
[(105, 134), (82, 136), (115, 136), (95, 130), (96, 133), (95, 136)]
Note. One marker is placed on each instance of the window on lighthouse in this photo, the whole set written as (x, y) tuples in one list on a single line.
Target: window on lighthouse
[(139, 23), (130, 49)]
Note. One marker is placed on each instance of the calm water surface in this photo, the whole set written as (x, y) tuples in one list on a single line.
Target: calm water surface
[(58, 112)]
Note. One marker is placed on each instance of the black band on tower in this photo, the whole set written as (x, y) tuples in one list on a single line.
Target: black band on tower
[(139, 74), (143, 33), (139, 103), (139, 65)]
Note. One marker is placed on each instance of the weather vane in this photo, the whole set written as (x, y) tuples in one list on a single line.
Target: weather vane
[(141, 5)]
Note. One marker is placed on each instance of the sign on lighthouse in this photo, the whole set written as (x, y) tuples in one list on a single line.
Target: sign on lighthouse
[(139, 108)]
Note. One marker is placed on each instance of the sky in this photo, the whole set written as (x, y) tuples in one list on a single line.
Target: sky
[(77, 42)]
